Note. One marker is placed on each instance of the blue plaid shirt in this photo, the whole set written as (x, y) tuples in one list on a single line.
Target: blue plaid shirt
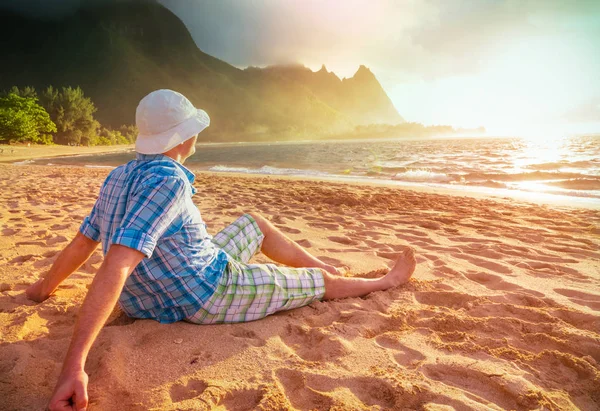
[(147, 205)]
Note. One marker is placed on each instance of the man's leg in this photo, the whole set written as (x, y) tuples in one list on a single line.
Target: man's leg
[(344, 287), (249, 292), (278, 247)]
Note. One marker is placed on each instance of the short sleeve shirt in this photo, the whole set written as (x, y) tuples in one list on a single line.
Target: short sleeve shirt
[(147, 205)]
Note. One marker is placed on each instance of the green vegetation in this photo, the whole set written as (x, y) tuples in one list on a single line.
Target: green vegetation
[(118, 52), (73, 114), (66, 113), (22, 119)]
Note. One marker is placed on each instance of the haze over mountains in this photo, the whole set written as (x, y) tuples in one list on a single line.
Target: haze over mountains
[(119, 52)]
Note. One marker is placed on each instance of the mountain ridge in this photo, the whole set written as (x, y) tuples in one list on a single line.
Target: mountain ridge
[(118, 53)]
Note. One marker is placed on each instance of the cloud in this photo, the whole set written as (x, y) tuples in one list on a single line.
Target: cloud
[(404, 40), (462, 59), (310, 31), (463, 37)]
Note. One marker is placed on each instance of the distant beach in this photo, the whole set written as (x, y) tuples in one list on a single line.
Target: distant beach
[(22, 153)]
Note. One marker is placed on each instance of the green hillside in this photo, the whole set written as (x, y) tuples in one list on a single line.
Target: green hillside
[(120, 52)]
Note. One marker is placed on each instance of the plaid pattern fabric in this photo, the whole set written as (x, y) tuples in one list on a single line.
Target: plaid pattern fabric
[(248, 292), (147, 205), (241, 239)]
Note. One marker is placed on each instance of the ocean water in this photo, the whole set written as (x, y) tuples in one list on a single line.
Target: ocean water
[(565, 167)]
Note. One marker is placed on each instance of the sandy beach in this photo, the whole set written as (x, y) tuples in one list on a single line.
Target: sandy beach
[(503, 311), (21, 152)]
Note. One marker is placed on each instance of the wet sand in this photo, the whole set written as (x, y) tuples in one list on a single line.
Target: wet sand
[(503, 311)]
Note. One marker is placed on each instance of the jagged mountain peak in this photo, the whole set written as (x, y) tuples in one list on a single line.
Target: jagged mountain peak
[(363, 74), (117, 53)]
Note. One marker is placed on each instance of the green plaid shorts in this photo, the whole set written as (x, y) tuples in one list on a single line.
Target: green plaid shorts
[(248, 292)]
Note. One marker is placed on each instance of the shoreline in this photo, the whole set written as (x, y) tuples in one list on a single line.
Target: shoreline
[(481, 193), (562, 189), (478, 192)]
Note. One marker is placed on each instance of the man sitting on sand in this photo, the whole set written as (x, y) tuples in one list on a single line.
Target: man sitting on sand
[(161, 263)]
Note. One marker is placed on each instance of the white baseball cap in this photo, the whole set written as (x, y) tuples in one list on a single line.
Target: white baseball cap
[(166, 118)]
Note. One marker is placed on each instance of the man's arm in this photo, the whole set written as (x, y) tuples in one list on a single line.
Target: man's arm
[(70, 259), (71, 388)]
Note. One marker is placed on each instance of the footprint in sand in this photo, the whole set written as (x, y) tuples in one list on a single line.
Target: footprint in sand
[(242, 400), (287, 229), (343, 240), (496, 283), (487, 388), (374, 235), (489, 265), (56, 227), (431, 225), (21, 243), (301, 396), (248, 336), (573, 251), (303, 340), (57, 240), (582, 298), (37, 218), (305, 243), (307, 391), (577, 319), (278, 219), (325, 226), (43, 263), (50, 254), (546, 270), (377, 245), (193, 388), (516, 298), (369, 324), (404, 356), (21, 259), (446, 299)]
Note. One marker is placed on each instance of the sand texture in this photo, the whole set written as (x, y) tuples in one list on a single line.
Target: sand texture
[(503, 311)]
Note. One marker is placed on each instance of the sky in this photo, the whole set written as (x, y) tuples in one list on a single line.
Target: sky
[(515, 67)]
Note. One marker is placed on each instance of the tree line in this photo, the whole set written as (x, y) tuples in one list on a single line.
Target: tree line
[(56, 116)]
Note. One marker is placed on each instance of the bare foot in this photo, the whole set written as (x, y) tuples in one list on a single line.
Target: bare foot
[(403, 269)]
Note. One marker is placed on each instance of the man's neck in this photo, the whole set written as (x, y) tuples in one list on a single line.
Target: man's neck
[(177, 153), (175, 156)]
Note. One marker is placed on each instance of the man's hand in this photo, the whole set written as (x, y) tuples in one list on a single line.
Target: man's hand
[(36, 291), (69, 260), (70, 392)]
